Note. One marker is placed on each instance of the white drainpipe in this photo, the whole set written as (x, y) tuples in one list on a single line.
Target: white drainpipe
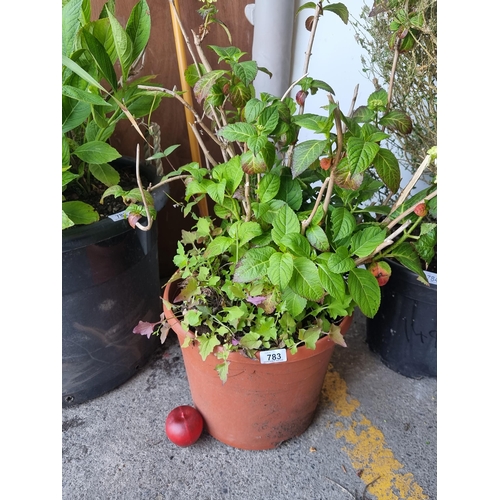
[(273, 22)]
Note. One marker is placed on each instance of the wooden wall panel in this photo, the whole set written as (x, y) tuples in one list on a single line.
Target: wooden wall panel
[(161, 61)]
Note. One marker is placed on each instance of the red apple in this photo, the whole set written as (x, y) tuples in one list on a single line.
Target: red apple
[(184, 425)]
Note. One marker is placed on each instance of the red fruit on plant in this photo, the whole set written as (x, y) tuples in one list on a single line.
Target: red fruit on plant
[(301, 97), (184, 425), (381, 270), (421, 210)]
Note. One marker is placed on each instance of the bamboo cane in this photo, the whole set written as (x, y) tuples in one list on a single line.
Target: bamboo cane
[(182, 64)]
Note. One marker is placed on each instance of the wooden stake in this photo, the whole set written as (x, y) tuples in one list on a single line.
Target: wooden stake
[(182, 64)]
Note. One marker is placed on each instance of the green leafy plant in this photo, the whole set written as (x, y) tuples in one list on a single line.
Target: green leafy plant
[(404, 32), (95, 98), (291, 248)]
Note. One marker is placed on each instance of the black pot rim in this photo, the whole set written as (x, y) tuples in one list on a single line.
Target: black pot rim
[(82, 235)]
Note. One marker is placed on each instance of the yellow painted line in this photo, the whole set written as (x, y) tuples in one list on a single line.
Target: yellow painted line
[(366, 447)]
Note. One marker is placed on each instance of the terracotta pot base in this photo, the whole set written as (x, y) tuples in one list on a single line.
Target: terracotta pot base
[(260, 405)]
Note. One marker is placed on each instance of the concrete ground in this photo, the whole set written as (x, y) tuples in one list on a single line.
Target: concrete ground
[(373, 437)]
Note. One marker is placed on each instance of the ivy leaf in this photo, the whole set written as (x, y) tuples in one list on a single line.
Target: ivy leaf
[(365, 291), (336, 335), (207, 344), (310, 336), (217, 246)]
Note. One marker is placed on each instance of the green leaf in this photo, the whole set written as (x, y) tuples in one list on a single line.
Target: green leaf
[(253, 265), (397, 121), (84, 96), (231, 172), (96, 152), (377, 101), (305, 154), (73, 66), (253, 108), (268, 188), (342, 224), (340, 261), (101, 58), (240, 131), (307, 5), (364, 242), (267, 121), (246, 71), (251, 340), (408, 257), (285, 222), (216, 190), (79, 212), (310, 336), (305, 279), (340, 9), (290, 192), (217, 246), (207, 344), (387, 168), (105, 173), (70, 25), (297, 244), (243, 232), (191, 74), (360, 154), (75, 115), (294, 303), (332, 282), (317, 238), (280, 269), (204, 85), (253, 164), (123, 45), (139, 27), (365, 291), (312, 122)]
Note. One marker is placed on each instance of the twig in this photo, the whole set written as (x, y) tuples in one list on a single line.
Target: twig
[(340, 486), (143, 196), (292, 85), (369, 484), (406, 191)]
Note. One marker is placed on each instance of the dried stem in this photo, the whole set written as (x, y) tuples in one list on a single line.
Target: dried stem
[(143, 196)]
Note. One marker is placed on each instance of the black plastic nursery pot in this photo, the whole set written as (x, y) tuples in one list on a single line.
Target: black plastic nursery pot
[(404, 330), (110, 281)]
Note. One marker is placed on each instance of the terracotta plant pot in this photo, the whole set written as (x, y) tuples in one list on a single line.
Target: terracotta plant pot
[(260, 405)]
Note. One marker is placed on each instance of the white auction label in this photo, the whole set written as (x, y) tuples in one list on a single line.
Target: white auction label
[(116, 217), (274, 356), (431, 277)]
